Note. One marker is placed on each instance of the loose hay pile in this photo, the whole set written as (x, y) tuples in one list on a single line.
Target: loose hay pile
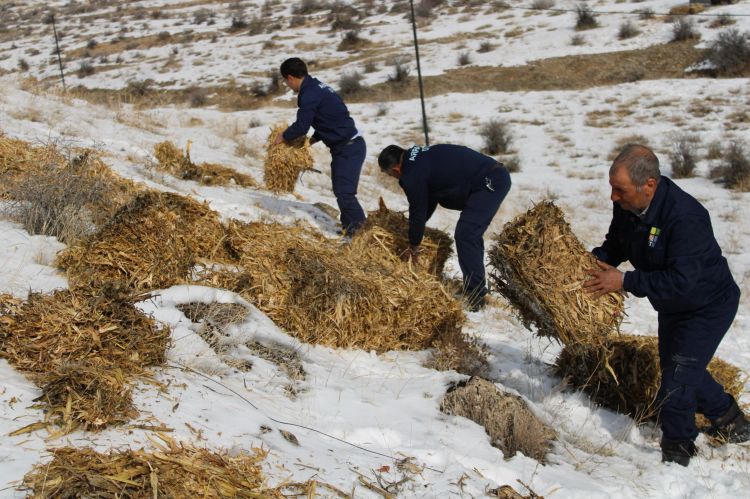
[(284, 162), (151, 243), (19, 158), (173, 161), (176, 471), (623, 373), (436, 245), (358, 296), (540, 267), (506, 418), (83, 351)]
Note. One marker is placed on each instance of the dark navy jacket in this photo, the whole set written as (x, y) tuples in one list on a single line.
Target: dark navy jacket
[(442, 174), (320, 107), (678, 263)]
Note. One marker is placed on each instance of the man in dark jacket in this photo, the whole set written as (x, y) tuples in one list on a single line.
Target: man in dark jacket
[(457, 178), (320, 107), (667, 236)]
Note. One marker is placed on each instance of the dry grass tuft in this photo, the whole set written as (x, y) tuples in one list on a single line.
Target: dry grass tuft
[(284, 162), (540, 268), (506, 418), (150, 243), (623, 373), (83, 350), (175, 470), (174, 162)]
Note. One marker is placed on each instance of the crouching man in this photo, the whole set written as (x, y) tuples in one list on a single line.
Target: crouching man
[(667, 236)]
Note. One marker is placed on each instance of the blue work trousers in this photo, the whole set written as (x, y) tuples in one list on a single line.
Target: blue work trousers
[(481, 207), (346, 166), (687, 342)]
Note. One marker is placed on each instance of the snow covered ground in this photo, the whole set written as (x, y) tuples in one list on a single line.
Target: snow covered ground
[(356, 412)]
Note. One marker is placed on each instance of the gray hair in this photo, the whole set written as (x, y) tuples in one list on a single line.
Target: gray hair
[(640, 162)]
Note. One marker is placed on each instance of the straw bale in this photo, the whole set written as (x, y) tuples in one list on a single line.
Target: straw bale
[(174, 162), (540, 266), (358, 296), (506, 418), (83, 351), (623, 373), (285, 161), (436, 244), (175, 470), (153, 242)]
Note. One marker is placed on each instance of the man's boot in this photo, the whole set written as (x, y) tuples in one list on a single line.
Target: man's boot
[(733, 427), (677, 451)]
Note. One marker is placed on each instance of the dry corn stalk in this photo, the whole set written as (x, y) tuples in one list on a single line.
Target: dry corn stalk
[(173, 161), (284, 161)]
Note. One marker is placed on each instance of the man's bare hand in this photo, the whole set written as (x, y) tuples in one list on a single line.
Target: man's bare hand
[(603, 280), (411, 255), (279, 139)]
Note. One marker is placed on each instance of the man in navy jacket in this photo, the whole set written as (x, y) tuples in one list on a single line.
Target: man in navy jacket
[(321, 108), (667, 236), (457, 178)]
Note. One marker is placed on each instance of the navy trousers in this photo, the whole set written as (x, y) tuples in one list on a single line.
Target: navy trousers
[(480, 209), (686, 344), (346, 166)]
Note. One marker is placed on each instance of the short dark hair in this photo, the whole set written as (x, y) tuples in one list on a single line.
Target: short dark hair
[(390, 157), (293, 66)]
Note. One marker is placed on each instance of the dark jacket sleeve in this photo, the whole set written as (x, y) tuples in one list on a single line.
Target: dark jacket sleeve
[(610, 251), (308, 105), (690, 239), (420, 210)]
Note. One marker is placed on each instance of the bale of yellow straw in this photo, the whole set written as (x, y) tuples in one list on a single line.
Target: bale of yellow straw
[(284, 161)]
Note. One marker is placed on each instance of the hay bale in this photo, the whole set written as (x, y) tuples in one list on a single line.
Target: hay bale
[(151, 243), (175, 470), (506, 418), (358, 296), (623, 373), (436, 244), (285, 161), (540, 267), (83, 351), (174, 162)]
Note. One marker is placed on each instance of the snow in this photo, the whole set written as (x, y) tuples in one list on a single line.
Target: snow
[(354, 411)]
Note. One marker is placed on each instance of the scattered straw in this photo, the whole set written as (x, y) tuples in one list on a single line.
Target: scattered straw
[(436, 245), (175, 470), (540, 267), (623, 373), (284, 161), (83, 351), (151, 243), (174, 162)]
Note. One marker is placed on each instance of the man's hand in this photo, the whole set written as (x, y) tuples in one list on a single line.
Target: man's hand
[(279, 138), (603, 280), (412, 255)]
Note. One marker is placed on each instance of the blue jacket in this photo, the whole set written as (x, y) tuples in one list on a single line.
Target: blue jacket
[(320, 107), (678, 263), (443, 174)]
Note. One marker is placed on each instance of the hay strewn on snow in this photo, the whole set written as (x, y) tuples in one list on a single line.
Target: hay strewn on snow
[(623, 373), (358, 296), (173, 161), (284, 162), (83, 351), (151, 243), (175, 471), (540, 267), (436, 245), (506, 418)]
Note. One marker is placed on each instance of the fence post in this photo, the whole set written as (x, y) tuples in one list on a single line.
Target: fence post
[(419, 74), (57, 48)]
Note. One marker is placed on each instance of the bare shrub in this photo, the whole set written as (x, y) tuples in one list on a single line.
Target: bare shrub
[(511, 163), (23, 65), (577, 40), (485, 46), (464, 58), (683, 156), (91, 44), (139, 88), (542, 4), (350, 83), (307, 7), (628, 30), (370, 66), (85, 69), (342, 16), (585, 18), (722, 21), (646, 14), (202, 16), (425, 8), (351, 41), (163, 36), (729, 54), (197, 96), (400, 72), (734, 170), (684, 29), (497, 136)]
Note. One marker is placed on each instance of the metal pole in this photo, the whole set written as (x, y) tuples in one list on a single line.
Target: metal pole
[(419, 74), (59, 58)]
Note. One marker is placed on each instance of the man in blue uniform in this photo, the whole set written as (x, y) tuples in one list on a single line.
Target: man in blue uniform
[(667, 236), (320, 107), (457, 178)]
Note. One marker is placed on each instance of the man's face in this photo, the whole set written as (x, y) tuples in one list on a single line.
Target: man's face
[(292, 83), (627, 195)]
